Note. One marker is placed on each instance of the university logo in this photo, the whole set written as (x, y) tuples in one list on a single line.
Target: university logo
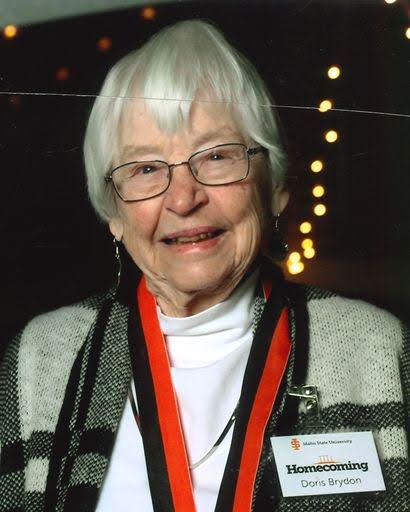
[(294, 443)]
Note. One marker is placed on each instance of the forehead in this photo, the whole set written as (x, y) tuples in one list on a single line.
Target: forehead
[(162, 124)]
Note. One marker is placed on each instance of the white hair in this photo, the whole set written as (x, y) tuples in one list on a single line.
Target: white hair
[(169, 72)]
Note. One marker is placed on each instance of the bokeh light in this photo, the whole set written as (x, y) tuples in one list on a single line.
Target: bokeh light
[(407, 33), (63, 73), (319, 209), (309, 253), (331, 136), (307, 243), (318, 191), (296, 267), (390, 1), (334, 72), (294, 257), (305, 228), (10, 31), (149, 13), (104, 44), (316, 166), (325, 105)]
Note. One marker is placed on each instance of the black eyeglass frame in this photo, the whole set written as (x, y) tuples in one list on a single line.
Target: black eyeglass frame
[(249, 152)]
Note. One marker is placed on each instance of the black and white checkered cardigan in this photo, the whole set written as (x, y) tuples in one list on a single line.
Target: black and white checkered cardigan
[(64, 384)]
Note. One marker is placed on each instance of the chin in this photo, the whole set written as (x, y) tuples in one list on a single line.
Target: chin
[(197, 284), (197, 280)]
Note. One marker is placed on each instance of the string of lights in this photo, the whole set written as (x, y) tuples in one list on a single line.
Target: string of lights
[(295, 263)]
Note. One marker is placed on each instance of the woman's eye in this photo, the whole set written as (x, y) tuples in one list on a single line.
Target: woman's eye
[(216, 156), (147, 169), (142, 170)]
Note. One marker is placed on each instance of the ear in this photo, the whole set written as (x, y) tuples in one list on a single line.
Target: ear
[(116, 227), (280, 198)]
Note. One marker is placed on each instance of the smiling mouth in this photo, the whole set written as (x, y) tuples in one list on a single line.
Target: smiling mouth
[(193, 239)]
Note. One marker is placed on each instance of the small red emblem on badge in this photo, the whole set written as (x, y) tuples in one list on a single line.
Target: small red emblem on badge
[(294, 443)]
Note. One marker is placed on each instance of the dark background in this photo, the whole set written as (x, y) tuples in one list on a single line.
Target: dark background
[(55, 251)]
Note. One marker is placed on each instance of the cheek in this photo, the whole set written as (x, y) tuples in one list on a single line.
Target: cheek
[(249, 218), (139, 229), (254, 208), (140, 222)]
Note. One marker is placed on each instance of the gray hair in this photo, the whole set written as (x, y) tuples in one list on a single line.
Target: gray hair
[(168, 72)]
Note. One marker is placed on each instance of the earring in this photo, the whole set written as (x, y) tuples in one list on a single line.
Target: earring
[(118, 258), (277, 248)]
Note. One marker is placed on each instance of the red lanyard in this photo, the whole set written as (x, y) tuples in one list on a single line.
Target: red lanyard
[(169, 421)]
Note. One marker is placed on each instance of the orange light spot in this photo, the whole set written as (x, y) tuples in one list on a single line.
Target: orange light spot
[(104, 43), (10, 31), (149, 13), (62, 73)]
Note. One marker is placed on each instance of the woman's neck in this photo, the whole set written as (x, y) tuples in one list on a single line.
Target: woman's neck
[(180, 303)]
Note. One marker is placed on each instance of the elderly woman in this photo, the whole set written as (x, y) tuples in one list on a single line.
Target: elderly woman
[(179, 388)]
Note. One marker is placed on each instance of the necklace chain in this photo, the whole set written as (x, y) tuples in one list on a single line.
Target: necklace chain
[(213, 448)]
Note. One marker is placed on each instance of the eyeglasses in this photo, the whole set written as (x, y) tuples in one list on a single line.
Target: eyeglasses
[(219, 165)]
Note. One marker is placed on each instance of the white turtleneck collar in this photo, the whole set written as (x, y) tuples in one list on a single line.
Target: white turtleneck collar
[(203, 339)]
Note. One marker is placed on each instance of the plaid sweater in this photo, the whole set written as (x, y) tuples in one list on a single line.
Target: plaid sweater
[(64, 382)]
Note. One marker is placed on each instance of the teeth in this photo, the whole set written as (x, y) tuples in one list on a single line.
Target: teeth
[(192, 239)]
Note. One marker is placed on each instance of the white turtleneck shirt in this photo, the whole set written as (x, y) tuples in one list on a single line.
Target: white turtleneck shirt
[(208, 353)]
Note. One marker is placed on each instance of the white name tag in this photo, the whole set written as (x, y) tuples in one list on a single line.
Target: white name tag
[(327, 463)]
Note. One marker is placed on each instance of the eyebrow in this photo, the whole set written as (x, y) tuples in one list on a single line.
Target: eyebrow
[(133, 151), (210, 136)]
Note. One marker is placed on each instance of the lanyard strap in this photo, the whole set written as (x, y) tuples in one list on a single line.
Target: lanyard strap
[(164, 445)]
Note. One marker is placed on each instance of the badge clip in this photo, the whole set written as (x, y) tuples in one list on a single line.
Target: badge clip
[(310, 399)]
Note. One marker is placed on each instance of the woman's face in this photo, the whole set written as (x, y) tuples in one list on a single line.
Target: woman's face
[(163, 234)]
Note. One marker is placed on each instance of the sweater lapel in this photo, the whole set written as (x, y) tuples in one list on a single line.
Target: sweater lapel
[(91, 411)]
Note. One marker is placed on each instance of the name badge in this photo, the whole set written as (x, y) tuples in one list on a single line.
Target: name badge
[(327, 464)]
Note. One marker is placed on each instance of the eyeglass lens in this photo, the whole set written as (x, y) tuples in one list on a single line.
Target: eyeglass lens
[(219, 165)]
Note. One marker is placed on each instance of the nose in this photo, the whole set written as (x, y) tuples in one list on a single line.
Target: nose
[(184, 194)]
